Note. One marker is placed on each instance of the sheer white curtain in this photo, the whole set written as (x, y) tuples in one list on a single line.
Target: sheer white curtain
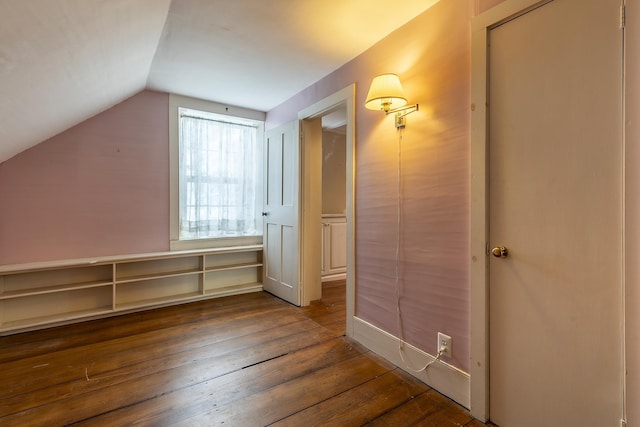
[(219, 167)]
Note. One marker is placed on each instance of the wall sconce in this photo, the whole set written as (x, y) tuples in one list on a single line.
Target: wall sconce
[(386, 94)]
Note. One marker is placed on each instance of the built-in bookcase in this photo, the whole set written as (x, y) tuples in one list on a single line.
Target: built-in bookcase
[(46, 294)]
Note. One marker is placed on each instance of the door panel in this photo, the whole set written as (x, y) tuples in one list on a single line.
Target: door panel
[(338, 239), (274, 259), (555, 161), (290, 246), (289, 170), (274, 164), (280, 213)]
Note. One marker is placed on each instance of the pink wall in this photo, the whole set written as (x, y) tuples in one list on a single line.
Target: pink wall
[(633, 214), (431, 54), (99, 188)]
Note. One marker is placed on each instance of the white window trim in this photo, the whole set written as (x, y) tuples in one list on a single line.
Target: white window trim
[(175, 102)]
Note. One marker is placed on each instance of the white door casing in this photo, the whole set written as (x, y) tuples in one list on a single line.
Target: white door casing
[(311, 205), (280, 213), (553, 160), (311, 216)]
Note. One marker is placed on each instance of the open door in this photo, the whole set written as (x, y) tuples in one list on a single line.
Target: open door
[(280, 213)]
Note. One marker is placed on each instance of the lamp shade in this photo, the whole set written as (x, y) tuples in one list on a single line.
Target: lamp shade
[(385, 93)]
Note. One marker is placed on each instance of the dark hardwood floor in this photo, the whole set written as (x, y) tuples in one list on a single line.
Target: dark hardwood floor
[(248, 360)]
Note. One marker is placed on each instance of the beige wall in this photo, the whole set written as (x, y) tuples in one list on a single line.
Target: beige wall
[(334, 178), (633, 213), (483, 5)]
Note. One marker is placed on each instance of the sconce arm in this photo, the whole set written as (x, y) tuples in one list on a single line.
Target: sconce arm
[(403, 111)]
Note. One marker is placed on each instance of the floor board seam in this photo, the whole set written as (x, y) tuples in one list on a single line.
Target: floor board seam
[(264, 361)]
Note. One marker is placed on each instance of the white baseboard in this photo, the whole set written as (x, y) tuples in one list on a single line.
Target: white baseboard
[(332, 277), (447, 379)]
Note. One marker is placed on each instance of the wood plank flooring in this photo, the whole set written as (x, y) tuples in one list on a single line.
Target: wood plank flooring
[(247, 360)]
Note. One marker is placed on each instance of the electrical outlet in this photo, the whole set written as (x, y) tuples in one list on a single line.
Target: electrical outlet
[(445, 344)]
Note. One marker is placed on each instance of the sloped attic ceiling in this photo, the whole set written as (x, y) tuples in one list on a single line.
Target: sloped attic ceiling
[(63, 61)]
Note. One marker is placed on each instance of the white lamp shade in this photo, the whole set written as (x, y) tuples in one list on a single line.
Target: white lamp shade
[(385, 93)]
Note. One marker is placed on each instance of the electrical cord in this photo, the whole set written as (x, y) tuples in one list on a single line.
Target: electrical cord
[(402, 342), (438, 356)]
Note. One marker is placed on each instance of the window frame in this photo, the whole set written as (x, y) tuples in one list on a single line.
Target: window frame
[(240, 114)]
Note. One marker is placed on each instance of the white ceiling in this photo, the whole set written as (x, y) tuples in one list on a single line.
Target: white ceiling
[(63, 61)]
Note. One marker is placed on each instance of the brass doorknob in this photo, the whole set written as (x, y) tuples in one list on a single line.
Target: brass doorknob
[(500, 252)]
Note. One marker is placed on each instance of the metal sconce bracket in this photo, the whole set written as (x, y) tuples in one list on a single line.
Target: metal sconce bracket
[(401, 113)]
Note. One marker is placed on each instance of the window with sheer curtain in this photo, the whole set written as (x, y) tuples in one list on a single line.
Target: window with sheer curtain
[(219, 176)]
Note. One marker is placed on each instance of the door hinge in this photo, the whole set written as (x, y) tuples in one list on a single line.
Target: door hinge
[(623, 16)]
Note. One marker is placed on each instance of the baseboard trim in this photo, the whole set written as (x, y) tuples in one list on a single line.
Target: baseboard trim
[(332, 277), (447, 379)]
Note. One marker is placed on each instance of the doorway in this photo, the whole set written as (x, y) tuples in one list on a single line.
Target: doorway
[(337, 112), (547, 214), (334, 197)]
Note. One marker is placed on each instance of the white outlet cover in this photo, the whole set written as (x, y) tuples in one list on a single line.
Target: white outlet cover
[(445, 341)]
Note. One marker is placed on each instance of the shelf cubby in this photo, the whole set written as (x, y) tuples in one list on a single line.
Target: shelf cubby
[(232, 260), (231, 277), (33, 310), (46, 281), (142, 292), (165, 267)]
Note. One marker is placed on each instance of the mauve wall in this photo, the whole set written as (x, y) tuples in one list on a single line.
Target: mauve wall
[(431, 54), (99, 188)]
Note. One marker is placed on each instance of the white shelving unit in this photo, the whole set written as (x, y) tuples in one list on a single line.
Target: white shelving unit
[(45, 294)]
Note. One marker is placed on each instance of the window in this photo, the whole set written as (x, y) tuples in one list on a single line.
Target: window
[(219, 174)]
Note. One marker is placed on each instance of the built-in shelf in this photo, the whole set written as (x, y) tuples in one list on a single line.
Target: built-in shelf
[(235, 290), (151, 302), (235, 266), (45, 294), (51, 289), (42, 321), (148, 276)]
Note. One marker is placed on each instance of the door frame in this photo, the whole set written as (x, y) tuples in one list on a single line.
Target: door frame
[(479, 197), (310, 210)]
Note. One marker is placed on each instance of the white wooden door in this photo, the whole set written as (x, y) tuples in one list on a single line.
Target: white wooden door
[(280, 213), (555, 203)]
